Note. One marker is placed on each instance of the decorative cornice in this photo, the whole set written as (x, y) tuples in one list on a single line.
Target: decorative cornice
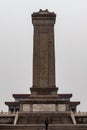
[(65, 95), (12, 103), (21, 95), (42, 13), (74, 103)]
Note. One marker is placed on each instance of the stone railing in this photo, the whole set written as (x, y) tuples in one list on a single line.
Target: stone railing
[(80, 113), (7, 113)]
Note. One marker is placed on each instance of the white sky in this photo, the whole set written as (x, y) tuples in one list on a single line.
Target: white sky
[(16, 47)]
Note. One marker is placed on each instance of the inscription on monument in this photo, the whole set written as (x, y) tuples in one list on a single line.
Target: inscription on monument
[(26, 107), (44, 107), (61, 107), (43, 60)]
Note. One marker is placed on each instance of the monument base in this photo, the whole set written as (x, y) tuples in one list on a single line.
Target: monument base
[(39, 118), (44, 91)]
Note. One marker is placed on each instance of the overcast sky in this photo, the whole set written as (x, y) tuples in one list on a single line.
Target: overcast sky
[(16, 47)]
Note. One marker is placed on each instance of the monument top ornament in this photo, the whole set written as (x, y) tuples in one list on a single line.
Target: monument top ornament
[(43, 13), (43, 17)]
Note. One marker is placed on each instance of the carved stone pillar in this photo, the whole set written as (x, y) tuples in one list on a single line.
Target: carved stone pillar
[(43, 53)]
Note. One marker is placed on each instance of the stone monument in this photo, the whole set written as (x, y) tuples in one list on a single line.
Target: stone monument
[(44, 108)]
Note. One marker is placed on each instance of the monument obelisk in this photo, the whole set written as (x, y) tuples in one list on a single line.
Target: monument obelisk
[(43, 53), (43, 108)]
